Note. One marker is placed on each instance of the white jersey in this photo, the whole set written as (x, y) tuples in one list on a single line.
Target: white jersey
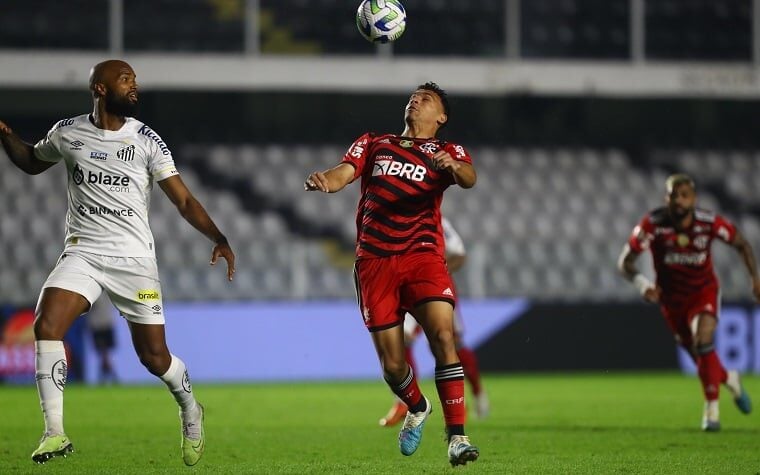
[(110, 177), (452, 239)]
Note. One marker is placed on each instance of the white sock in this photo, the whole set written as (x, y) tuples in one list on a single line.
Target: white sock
[(178, 381), (51, 369)]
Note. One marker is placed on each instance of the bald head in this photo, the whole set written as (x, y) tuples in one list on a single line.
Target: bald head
[(107, 72), (114, 88)]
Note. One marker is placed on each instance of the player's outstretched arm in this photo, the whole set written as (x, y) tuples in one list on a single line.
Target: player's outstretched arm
[(627, 266), (195, 214), (744, 248), (330, 181), (21, 153)]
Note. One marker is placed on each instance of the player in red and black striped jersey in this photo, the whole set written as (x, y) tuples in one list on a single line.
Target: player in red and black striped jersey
[(680, 237), (400, 265)]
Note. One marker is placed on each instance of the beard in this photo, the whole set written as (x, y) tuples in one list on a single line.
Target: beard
[(680, 213), (120, 105)]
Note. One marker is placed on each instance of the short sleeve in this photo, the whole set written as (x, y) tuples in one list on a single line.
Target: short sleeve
[(357, 154), (454, 242), (160, 160), (48, 149), (724, 229), (458, 152), (642, 235)]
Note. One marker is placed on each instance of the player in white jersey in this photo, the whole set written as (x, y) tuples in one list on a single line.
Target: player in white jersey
[(456, 255), (112, 161)]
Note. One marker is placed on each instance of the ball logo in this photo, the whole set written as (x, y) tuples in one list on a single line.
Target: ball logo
[(59, 373)]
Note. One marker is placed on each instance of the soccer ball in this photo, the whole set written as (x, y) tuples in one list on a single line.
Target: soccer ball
[(381, 21)]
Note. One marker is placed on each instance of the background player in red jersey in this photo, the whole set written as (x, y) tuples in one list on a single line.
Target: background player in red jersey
[(679, 236), (455, 259), (400, 263)]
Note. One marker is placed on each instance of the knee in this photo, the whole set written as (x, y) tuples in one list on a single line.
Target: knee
[(442, 339), (395, 370), (157, 362), (45, 329)]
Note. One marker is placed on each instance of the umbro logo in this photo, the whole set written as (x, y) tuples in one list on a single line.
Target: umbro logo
[(76, 145), (156, 309)]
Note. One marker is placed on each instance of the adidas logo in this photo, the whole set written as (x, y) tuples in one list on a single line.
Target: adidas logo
[(448, 292)]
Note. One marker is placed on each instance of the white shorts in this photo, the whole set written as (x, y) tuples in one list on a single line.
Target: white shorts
[(131, 283)]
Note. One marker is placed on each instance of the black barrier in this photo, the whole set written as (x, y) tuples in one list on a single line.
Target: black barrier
[(594, 336)]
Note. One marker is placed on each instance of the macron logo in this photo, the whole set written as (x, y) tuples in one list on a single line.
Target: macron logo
[(409, 171)]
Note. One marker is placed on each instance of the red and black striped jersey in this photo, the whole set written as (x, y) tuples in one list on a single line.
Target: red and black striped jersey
[(401, 191), (682, 257)]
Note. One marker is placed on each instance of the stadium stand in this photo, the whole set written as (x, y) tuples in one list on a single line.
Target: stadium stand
[(542, 223)]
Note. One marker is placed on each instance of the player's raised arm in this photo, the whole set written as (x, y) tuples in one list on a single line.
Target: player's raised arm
[(194, 213), (744, 248), (627, 266), (21, 153), (332, 180), (463, 172)]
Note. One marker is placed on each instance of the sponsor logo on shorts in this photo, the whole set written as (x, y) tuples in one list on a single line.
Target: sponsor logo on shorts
[(148, 294)]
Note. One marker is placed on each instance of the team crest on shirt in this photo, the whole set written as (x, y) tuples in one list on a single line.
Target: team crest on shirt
[(701, 241), (126, 154), (429, 148)]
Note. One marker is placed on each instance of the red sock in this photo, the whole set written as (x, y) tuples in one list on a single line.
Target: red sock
[(409, 392), (449, 381), (711, 372), (470, 365)]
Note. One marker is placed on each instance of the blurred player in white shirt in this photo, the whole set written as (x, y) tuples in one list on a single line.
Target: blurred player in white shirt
[(112, 161), (455, 258)]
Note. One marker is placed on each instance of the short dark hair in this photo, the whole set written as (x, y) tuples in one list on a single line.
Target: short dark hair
[(433, 87)]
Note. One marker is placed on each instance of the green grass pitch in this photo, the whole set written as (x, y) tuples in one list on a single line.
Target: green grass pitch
[(554, 423)]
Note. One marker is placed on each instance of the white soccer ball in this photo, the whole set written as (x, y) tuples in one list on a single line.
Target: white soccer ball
[(381, 21)]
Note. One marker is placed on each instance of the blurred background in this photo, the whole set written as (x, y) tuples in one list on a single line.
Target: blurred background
[(575, 112)]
